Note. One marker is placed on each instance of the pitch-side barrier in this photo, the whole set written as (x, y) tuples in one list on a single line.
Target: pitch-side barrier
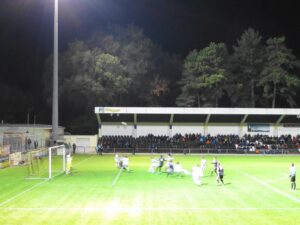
[(91, 150)]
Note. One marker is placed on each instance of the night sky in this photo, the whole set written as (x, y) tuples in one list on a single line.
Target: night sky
[(178, 26)]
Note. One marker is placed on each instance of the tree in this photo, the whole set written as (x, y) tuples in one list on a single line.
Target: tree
[(246, 65), (277, 77), (204, 74), (119, 66)]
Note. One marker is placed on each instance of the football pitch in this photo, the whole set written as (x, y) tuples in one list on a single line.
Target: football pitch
[(256, 191)]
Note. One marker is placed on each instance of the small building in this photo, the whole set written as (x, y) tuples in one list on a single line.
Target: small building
[(22, 137)]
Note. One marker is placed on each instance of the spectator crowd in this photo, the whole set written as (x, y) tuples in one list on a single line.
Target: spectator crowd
[(247, 142)]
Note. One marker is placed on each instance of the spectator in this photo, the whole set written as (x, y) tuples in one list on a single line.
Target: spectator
[(74, 148)]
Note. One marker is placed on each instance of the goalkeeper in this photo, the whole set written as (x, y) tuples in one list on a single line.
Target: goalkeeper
[(69, 164)]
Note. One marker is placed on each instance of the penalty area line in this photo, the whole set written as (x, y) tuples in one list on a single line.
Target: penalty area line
[(276, 180), (78, 163), (117, 177), (23, 192), (267, 185)]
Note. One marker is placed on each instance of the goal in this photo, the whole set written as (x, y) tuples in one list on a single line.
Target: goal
[(46, 163)]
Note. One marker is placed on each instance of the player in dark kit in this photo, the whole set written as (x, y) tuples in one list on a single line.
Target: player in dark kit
[(220, 174), (160, 163), (215, 162)]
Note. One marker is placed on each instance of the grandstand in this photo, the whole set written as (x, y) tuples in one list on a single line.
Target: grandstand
[(199, 130)]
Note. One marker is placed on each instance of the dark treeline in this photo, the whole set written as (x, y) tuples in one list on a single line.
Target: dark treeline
[(120, 66), (253, 74)]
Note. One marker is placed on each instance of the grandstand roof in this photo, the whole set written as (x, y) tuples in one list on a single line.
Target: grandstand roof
[(197, 115)]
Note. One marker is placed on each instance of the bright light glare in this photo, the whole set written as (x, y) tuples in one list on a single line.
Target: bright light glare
[(112, 210)]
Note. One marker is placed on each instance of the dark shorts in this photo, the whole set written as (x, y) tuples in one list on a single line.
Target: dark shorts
[(293, 178), (221, 177)]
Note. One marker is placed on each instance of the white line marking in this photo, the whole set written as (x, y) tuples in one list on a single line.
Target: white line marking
[(120, 209), (275, 180), (82, 161), (21, 193), (33, 187), (265, 184), (36, 178), (117, 177)]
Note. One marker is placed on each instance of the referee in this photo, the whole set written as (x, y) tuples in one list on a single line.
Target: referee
[(293, 176)]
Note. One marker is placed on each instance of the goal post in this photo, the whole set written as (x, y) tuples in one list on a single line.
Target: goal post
[(57, 154), (47, 162)]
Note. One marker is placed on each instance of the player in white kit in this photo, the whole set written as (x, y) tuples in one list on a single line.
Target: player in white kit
[(293, 176), (153, 165), (203, 164), (117, 161), (125, 164), (197, 175), (180, 170), (168, 160)]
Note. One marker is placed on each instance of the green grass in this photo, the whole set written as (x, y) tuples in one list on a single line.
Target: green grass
[(256, 191)]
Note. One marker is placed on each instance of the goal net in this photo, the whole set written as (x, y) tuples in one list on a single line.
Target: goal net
[(46, 163)]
